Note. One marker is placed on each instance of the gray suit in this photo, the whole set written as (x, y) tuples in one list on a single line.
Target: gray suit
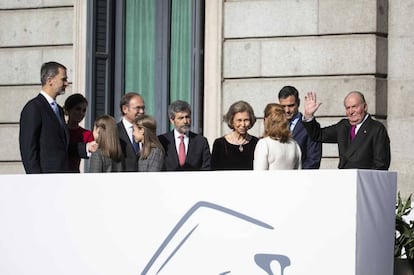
[(101, 164), (153, 163)]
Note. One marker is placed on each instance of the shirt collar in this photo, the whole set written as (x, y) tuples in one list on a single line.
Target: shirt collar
[(365, 118), (48, 97), (294, 120), (177, 134), (126, 123), (359, 124)]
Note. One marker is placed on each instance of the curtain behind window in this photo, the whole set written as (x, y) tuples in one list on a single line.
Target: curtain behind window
[(181, 39), (140, 50)]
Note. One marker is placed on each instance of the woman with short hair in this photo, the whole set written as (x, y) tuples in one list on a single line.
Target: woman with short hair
[(235, 151)]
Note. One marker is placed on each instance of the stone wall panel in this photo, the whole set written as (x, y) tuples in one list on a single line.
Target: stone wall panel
[(305, 56), (23, 64), (36, 27)]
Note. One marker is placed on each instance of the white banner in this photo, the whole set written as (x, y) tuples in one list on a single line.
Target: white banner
[(272, 222)]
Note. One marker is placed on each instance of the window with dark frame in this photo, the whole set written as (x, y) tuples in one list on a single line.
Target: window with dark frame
[(171, 36)]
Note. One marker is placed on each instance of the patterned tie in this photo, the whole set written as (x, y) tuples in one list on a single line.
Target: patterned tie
[(181, 151), (352, 134)]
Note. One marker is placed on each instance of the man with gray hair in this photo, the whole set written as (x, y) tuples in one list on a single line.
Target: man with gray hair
[(363, 142), (184, 150)]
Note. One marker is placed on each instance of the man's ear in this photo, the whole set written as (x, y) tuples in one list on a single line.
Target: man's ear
[(124, 109), (298, 101)]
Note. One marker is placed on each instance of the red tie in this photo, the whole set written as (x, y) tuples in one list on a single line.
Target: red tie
[(181, 151), (353, 132)]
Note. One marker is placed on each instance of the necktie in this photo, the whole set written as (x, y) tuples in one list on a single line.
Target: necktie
[(134, 143), (352, 134), (181, 151), (56, 111)]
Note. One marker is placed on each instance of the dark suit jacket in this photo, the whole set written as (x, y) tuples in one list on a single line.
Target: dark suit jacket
[(43, 140), (369, 150), (129, 155), (198, 153), (311, 150)]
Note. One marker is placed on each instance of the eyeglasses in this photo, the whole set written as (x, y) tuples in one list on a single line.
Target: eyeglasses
[(137, 108)]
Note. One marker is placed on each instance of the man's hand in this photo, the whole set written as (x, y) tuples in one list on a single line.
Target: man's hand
[(91, 146), (311, 105)]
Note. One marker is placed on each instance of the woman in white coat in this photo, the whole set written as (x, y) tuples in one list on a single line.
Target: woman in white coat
[(277, 150)]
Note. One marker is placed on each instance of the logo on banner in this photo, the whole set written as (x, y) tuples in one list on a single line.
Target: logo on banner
[(182, 235)]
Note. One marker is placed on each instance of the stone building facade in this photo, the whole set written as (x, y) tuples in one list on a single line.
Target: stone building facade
[(252, 49)]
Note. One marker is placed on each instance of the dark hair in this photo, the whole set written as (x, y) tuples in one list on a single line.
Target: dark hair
[(289, 91), (177, 107), (276, 124), (239, 107), (74, 100), (150, 136), (49, 70), (126, 99)]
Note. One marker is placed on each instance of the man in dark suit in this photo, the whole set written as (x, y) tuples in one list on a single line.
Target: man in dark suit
[(132, 105), (184, 150), (43, 136), (363, 142), (311, 150)]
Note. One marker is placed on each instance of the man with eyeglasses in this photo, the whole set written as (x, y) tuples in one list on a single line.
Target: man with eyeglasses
[(132, 105), (311, 150)]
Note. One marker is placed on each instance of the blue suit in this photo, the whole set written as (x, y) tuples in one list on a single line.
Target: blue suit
[(311, 150)]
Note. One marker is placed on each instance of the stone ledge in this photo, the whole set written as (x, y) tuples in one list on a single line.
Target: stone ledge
[(27, 4)]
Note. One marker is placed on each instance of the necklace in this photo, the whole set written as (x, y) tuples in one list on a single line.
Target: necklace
[(235, 141)]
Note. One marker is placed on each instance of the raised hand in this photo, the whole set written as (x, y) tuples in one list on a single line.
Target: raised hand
[(311, 105)]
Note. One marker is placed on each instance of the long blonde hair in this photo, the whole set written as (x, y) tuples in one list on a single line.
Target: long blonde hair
[(276, 123), (150, 137), (108, 137)]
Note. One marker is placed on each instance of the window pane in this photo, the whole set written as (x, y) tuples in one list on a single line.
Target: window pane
[(139, 50), (181, 50)]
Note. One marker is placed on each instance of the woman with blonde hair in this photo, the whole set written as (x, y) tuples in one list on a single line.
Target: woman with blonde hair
[(108, 156), (151, 154), (277, 149)]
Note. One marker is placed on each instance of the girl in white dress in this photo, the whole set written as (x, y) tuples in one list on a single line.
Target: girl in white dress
[(277, 150)]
